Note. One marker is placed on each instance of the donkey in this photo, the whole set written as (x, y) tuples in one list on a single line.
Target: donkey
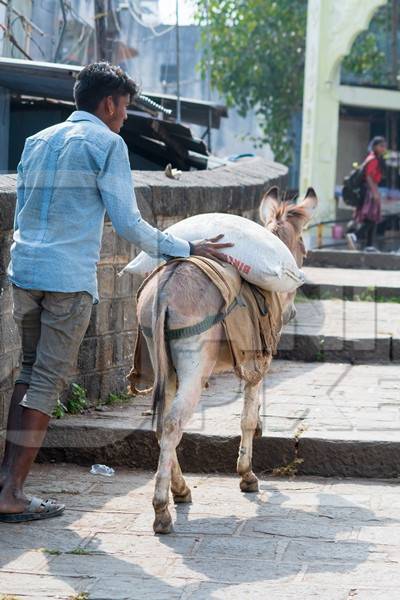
[(184, 296)]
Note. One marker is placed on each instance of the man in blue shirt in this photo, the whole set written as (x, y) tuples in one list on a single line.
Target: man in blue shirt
[(69, 176)]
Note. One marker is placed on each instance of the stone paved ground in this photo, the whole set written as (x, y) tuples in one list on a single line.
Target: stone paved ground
[(298, 539), (323, 398)]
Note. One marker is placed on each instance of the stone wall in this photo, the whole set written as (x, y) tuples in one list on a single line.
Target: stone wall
[(106, 353)]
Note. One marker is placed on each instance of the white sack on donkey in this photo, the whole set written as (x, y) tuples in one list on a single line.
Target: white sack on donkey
[(260, 256)]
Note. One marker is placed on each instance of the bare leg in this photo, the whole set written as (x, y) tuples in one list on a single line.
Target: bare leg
[(249, 482), (33, 427), (50, 342), (13, 427)]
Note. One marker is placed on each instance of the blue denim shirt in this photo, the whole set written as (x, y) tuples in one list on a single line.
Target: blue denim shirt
[(68, 177)]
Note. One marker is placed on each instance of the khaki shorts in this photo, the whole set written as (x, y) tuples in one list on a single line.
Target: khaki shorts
[(52, 326)]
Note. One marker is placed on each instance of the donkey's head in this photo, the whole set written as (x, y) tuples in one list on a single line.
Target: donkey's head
[(287, 221)]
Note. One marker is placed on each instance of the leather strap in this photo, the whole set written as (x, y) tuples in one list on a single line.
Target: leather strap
[(204, 325)]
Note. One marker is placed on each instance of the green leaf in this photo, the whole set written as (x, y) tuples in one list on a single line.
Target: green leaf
[(255, 51)]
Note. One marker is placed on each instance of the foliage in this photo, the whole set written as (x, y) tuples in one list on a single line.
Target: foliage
[(256, 56), (367, 59), (255, 52), (59, 410), (80, 596), (290, 470), (79, 551), (369, 294), (120, 398), (76, 403), (320, 355), (52, 552)]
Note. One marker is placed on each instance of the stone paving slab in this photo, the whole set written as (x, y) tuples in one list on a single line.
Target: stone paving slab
[(347, 283), (297, 539), (346, 417), (341, 330)]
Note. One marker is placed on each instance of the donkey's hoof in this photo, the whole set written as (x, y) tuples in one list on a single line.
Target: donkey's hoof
[(186, 497), (249, 484), (162, 523), (248, 488)]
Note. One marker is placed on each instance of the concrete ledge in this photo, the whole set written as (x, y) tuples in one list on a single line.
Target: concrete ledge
[(347, 259), (236, 187), (347, 284), (349, 458), (205, 453), (349, 292), (138, 448), (338, 330), (314, 412), (320, 348)]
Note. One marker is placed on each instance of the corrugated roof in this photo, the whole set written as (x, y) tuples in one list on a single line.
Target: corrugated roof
[(54, 80)]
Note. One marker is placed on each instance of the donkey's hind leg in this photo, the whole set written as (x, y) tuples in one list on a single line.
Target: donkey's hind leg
[(180, 491), (163, 520), (249, 421), (194, 359), (187, 360), (181, 410)]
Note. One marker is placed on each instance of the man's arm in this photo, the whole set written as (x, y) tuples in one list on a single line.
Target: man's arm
[(116, 188), (20, 194)]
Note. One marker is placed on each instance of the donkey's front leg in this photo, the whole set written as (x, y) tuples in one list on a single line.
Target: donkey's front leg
[(179, 488), (249, 482)]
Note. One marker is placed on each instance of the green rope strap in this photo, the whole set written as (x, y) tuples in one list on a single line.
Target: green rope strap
[(204, 325)]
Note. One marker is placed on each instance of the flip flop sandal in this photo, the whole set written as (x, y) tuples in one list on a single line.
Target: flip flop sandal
[(37, 509)]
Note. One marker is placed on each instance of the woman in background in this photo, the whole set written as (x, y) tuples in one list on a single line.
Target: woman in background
[(368, 215)]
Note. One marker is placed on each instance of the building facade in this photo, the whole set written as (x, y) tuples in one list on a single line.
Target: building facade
[(66, 32)]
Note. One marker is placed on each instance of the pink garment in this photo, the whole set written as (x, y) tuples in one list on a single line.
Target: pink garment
[(370, 210)]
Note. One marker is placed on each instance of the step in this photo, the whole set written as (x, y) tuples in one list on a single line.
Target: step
[(343, 331), (350, 283), (340, 419), (353, 259)]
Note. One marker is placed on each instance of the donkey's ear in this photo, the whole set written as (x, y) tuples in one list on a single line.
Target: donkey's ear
[(269, 205), (309, 204)]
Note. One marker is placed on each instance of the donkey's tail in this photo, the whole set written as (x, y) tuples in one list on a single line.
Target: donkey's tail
[(161, 361)]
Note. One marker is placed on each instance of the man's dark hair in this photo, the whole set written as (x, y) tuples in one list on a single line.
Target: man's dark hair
[(98, 80)]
